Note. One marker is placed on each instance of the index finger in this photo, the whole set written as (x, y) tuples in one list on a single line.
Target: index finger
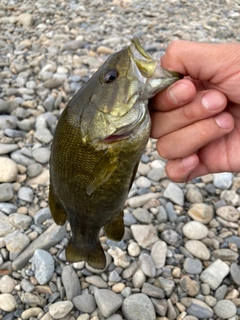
[(178, 94)]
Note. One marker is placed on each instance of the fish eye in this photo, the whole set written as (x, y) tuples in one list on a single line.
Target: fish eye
[(110, 75)]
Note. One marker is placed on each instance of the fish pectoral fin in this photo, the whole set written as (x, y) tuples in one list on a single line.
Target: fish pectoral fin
[(95, 258), (102, 171), (58, 213), (115, 229)]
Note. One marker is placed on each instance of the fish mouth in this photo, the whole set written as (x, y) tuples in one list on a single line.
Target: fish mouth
[(147, 67)]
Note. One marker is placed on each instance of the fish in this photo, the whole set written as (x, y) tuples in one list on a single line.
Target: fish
[(97, 145)]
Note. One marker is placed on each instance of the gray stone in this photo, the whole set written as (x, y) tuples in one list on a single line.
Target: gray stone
[(107, 301), (192, 266), (145, 235), (42, 215), (26, 194), (8, 208), (195, 230), (8, 122), (193, 195), (7, 302), (221, 292), (6, 192), (143, 182), (171, 313), (32, 299), (156, 174), (171, 237), (153, 291), (138, 306), (225, 309), (233, 239), (34, 170), (147, 265), (129, 271), (114, 276), (97, 281), (174, 193), (225, 254), (235, 273), (22, 159), (27, 286), (60, 309), (197, 249), (228, 213), (8, 170), (46, 240), (119, 256), (160, 306), (42, 265), (222, 180), (7, 148), (19, 221), (133, 249), (139, 201), (162, 214), (41, 155), (70, 282), (231, 197), (215, 273), (142, 215), (16, 242), (199, 309), (172, 216), (138, 278), (158, 254), (7, 284), (85, 303), (167, 285)]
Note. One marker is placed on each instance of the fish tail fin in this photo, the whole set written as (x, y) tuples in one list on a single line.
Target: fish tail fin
[(94, 257), (115, 229)]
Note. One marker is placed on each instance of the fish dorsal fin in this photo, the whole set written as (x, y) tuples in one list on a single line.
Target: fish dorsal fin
[(115, 229), (102, 171)]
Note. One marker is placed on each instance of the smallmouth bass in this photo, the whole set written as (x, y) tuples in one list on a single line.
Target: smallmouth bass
[(97, 145)]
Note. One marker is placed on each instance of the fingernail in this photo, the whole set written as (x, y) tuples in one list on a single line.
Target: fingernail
[(178, 92), (190, 161), (213, 100), (224, 121)]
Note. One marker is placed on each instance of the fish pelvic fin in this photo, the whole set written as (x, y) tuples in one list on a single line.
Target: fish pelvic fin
[(58, 213), (115, 229), (95, 258)]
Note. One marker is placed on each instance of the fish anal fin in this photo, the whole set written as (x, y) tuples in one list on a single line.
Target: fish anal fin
[(95, 258), (102, 171), (58, 213), (134, 175), (115, 229)]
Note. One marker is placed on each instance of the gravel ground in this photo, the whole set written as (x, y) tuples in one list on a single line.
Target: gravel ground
[(179, 257)]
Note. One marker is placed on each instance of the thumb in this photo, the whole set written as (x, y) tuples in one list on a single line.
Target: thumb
[(201, 61)]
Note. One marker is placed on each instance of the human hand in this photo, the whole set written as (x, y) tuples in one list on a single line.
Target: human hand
[(197, 119)]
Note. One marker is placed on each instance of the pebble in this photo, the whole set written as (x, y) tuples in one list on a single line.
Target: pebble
[(60, 309), (6, 192), (142, 215), (70, 282), (171, 237), (120, 257), (41, 155), (26, 194), (7, 302), (107, 301), (96, 281), (174, 193), (231, 197), (139, 201), (199, 309), (190, 286), (192, 266), (235, 273), (167, 285), (152, 291), (197, 249), (145, 235), (7, 284), (85, 303), (138, 306), (159, 253), (138, 278), (31, 312), (228, 213), (215, 273), (19, 221), (34, 170), (201, 212), (222, 180), (147, 265), (133, 249), (8, 170), (193, 195), (143, 182), (225, 309), (195, 230), (16, 242), (42, 265)]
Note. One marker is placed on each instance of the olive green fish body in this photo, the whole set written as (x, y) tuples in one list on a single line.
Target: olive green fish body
[(97, 145)]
